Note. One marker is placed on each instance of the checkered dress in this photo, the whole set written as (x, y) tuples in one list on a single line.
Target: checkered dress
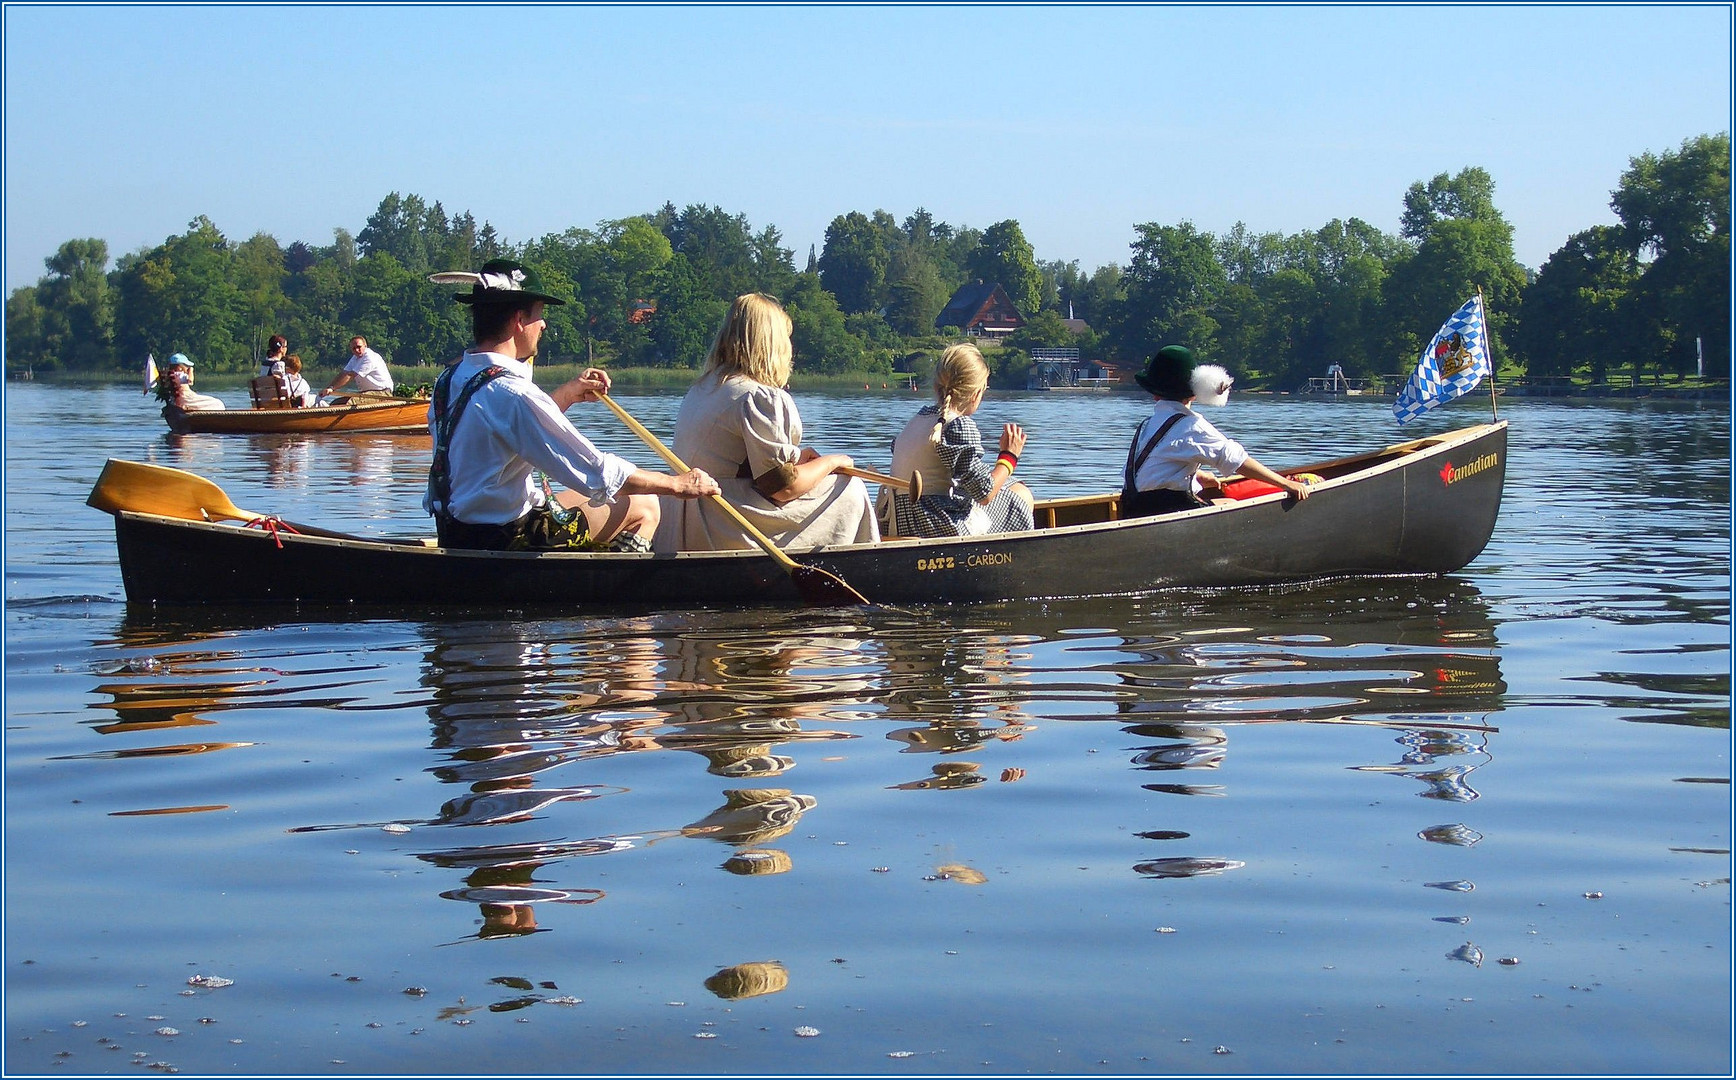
[(945, 513)]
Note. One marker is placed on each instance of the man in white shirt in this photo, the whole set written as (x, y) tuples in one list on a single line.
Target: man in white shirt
[(494, 430), (366, 368)]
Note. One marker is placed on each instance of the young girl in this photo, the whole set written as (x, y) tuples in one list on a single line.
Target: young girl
[(175, 386), (962, 495), (299, 390)]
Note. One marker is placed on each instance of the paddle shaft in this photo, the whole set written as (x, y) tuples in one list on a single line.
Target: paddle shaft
[(816, 585), (879, 478)]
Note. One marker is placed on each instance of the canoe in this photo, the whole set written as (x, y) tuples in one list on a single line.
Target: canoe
[(1424, 507), (391, 415)]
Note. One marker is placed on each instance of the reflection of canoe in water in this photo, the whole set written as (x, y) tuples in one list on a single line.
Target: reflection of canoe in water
[(363, 413), (1422, 507)]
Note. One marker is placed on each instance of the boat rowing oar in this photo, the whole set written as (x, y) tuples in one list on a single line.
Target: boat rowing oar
[(912, 485), (157, 489), (818, 587)]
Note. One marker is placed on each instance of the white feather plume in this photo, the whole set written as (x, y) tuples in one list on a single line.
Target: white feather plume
[(1211, 385), (455, 277)]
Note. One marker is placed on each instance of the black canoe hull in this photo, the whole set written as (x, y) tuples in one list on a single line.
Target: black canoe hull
[(1424, 508)]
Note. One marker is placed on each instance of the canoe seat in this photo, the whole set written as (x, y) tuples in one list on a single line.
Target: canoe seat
[(1077, 510), (271, 392)]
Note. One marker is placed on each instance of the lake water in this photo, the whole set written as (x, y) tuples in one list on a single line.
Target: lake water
[(1479, 824)]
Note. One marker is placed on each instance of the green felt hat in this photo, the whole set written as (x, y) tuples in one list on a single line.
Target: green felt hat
[(501, 281), (1169, 374)]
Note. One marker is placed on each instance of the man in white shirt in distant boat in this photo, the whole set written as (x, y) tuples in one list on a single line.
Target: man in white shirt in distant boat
[(495, 430), (366, 368)]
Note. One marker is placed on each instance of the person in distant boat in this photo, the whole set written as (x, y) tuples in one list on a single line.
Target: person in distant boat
[(366, 369), (179, 376), (739, 423), (494, 429), (962, 494), (275, 350), (1163, 473), (299, 390)]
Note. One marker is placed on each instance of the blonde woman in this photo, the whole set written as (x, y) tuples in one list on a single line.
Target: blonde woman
[(963, 495), (739, 424)]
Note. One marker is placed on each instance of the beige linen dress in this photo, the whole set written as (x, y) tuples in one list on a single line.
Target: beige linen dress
[(725, 423)]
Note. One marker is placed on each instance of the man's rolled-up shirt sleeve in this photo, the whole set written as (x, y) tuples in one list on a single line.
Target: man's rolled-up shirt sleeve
[(553, 445), (1224, 455)]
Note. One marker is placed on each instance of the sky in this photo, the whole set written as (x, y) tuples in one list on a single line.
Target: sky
[(125, 122)]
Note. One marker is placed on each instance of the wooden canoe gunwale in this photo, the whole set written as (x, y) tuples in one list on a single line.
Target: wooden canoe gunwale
[(402, 416), (1389, 512)]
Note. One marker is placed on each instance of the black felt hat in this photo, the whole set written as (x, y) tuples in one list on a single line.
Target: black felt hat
[(501, 281)]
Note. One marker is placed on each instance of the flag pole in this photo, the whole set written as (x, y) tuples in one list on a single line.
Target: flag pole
[(1489, 336)]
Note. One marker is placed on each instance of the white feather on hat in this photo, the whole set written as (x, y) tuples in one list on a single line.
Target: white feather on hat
[(1211, 385)]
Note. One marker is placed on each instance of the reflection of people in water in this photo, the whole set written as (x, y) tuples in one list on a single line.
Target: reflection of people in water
[(980, 703), (503, 886), (749, 980), (510, 712)]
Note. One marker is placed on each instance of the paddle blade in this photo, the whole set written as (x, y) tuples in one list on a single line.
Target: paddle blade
[(821, 588), (157, 489)]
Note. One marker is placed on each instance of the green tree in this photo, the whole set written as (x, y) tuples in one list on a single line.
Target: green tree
[(774, 264), (1043, 330), (1579, 311), (719, 248), (688, 315), (1675, 208), (822, 343), (259, 276), (1467, 195), (916, 297), (181, 297), (76, 329), (25, 349), (1004, 255), (853, 263), (376, 301), (415, 234), (1173, 284), (1464, 245)]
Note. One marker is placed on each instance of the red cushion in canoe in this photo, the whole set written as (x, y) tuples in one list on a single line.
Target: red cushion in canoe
[(1248, 488)]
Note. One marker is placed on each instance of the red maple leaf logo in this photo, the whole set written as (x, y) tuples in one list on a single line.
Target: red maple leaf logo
[(1447, 473)]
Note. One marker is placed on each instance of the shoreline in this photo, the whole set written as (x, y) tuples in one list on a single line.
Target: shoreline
[(680, 379)]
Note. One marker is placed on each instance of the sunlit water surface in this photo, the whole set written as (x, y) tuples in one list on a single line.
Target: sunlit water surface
[(1477, 824)]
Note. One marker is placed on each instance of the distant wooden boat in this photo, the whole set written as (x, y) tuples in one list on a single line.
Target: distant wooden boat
[(1427, 506), (363, 413)]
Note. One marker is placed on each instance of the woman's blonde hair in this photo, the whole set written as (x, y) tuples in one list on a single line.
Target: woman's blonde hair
[(959, 375), (754, 341)]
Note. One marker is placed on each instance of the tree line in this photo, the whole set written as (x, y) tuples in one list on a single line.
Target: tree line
[(650, 290)]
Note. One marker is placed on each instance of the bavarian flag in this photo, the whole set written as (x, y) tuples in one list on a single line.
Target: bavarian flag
[(1454, 362)]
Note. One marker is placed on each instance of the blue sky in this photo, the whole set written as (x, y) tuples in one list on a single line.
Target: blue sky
[(125, 122)]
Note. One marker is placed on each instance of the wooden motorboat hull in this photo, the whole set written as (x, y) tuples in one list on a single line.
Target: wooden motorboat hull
[(1425, 507)]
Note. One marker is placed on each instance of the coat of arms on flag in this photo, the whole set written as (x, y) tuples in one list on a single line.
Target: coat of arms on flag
[(1454, 362)]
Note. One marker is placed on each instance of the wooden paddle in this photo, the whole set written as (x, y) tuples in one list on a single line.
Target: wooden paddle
[(818, 587), (912, 485), (166, 492)]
